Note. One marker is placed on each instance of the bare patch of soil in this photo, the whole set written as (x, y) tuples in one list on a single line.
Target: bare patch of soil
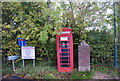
[(99, 75)]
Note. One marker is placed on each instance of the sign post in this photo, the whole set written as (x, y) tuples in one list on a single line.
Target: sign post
[(13, 58), (27, 52), (13, 65), (115, 40)]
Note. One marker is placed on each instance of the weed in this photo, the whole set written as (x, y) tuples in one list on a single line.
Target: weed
[(42, 70), (49, 76), (107, 70), (6, 69), (82, 75)]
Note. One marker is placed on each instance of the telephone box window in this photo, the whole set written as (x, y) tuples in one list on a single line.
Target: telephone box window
[(65, 50), (64, 42), (65, 58), (64, 46), (64, 54), (65, 61), (65, 65)]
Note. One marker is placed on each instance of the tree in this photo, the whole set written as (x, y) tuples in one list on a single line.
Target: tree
[(29, 20)]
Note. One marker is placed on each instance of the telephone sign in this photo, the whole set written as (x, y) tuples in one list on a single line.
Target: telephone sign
[(64, 38), (22, 42)]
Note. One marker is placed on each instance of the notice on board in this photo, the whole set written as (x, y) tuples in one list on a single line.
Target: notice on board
[(28, 52)]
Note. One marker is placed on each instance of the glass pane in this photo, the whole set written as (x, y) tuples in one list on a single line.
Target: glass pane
[(64, 54), (65, 65), (65, 62), (64, 46), (64, 58), (64, 42), (65, 50)]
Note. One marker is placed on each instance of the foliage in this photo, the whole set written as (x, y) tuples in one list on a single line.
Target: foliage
[(29, 20), (6, 69), (101, 47)]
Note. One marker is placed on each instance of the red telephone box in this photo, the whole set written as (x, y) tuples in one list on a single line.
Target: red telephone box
[(64, 44)]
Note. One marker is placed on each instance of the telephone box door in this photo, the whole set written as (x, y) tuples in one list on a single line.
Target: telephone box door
[(65, 50)]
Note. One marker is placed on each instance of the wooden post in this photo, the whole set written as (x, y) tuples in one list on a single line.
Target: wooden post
[(83, 56)]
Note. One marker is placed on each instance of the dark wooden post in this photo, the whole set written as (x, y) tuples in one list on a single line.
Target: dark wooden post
[(83, 56)]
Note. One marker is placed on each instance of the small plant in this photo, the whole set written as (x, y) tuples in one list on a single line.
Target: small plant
[(41, 71), (6, 69), (49, 76), (107, 70), (82, 75)]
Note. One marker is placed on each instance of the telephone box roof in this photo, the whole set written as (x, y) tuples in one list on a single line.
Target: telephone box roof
[(66, 29)]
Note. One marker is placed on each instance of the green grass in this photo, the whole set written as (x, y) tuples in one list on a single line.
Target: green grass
[(49, 76), (107, 70), (6, 69), (45, 70), (82, 75), (41, 71)]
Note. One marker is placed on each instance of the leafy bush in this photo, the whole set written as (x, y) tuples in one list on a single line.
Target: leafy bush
[(30, 21), (101, 44)]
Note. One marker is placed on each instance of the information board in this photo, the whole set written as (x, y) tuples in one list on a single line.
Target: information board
[(28, 52)]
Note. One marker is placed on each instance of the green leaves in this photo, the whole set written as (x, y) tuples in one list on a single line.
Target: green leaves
[(43, 36), (101, 43), (7, 26), (30, 21)]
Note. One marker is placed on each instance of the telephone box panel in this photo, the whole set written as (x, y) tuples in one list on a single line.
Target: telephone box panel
[(64, 44)]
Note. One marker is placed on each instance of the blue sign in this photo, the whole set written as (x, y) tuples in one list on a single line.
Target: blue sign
[(22, 42), (12, 57)]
